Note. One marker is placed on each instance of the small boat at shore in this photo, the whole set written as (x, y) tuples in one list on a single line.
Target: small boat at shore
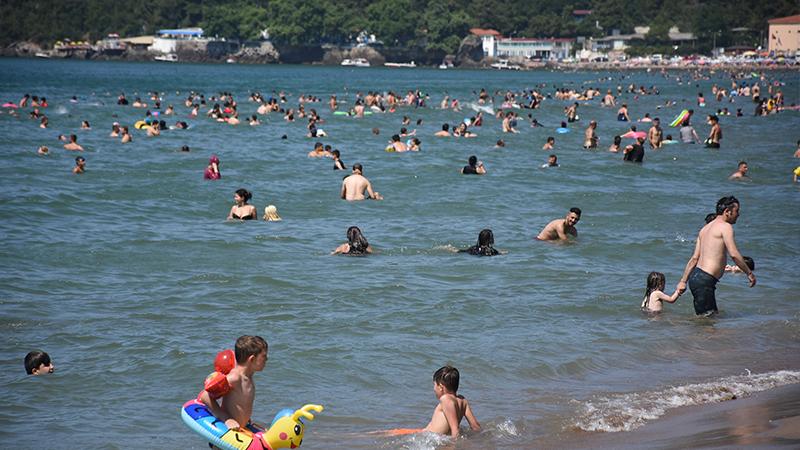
[(504, 65), (43, 55), (357, 62), (412, 64), (169, 57)]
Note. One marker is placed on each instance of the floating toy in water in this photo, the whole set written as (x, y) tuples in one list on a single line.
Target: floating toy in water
[(286, 431), (10, 105), (562, 130), (634, 135), (680, 118), (140, 125)]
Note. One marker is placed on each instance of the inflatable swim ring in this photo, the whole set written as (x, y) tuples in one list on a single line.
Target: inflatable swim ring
[(561, 130), (389, 148), (141, 125), (10, 105), (679, 118), (286, 430)]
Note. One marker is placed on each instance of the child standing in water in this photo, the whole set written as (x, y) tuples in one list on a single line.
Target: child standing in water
[(654, 295)]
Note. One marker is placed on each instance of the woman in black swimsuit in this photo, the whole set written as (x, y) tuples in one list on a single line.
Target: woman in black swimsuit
[(241, 210), (485, 245)]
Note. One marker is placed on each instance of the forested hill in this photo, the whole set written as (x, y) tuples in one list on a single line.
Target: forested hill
[(430, 24)]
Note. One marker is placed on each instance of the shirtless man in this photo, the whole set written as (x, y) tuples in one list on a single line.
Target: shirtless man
[(452, 407), (319, 151), (237, 390), (73, 144), (707, 264), (741, 172), (655, 135), (559, 229), (590, 136), (353, 186), (716, 133), (444, 132), (398, 145)]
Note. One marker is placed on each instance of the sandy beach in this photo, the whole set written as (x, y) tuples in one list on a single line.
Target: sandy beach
[(769, 419)]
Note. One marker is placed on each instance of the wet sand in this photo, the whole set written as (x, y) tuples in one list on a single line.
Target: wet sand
[(769, 419)]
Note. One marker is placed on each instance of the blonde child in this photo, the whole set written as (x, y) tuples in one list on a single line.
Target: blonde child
[(271, 214), (654, 295)]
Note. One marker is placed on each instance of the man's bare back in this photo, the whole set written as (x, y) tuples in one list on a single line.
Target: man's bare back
[(353, 188)]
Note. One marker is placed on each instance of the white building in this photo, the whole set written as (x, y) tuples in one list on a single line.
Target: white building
[(167, 40), (539, 48), (496, 46)]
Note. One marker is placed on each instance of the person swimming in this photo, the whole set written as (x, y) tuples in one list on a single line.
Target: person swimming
[(485, 245), (356, 244), (271, 214)]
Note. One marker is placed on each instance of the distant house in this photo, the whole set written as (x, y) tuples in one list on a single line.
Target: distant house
[(581, 14), (784, 35), (488, 39), (497, 46), (537, 48), (617, 43), (166, 41), (140, 43)]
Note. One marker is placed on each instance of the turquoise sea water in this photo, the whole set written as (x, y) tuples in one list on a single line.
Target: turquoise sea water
[(132, 280)]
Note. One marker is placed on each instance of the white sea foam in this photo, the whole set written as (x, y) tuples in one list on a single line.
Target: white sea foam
[(625, 412), (507, 427)]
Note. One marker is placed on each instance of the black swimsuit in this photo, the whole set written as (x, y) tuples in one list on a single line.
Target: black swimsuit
[(247, 217)]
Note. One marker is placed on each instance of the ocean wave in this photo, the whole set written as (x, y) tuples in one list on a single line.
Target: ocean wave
[(625, 412)]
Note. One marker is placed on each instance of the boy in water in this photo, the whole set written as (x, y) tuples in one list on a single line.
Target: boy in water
[(38, 362), (239, 392), (452, 407)]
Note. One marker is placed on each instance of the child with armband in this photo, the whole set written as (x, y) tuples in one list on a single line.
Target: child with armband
[(452, 407), (230, 396), (735, 269), (654, 295)]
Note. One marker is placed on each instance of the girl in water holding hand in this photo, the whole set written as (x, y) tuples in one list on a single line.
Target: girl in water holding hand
[(356, 244), (654, 295), (241, 210)]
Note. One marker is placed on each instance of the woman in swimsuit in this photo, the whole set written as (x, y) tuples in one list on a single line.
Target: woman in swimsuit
[(241, 210), (356, 244)]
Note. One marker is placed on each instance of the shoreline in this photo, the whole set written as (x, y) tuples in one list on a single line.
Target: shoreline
[(766, 419), (558, 66)]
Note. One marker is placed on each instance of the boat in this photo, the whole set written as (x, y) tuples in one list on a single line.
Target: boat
[(43, 55), (504, 65), (411, 64), (169, 57), (357, 62), (231, 60)]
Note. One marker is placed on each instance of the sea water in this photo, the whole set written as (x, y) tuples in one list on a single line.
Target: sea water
[(132, 280)]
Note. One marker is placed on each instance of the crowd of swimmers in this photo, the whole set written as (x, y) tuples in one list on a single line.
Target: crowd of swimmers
[(714, 243)]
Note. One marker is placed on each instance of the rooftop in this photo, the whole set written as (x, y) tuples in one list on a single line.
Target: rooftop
[(790, 20), (484, 32)]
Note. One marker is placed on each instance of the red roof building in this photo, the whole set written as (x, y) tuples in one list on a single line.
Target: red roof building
[(784, 35)]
